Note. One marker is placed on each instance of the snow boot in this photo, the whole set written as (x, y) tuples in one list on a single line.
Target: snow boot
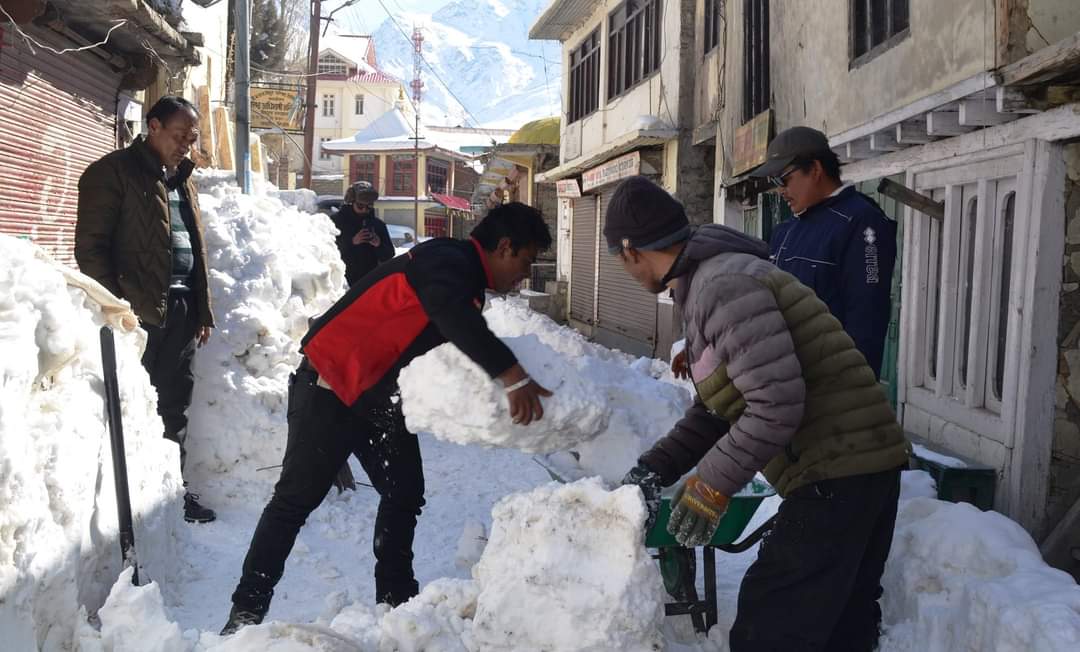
[(196, 513), (240, 618)]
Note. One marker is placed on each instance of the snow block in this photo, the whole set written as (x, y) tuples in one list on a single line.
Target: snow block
[(565, 569)]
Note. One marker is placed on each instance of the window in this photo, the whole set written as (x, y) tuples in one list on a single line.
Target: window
[(585, 78), (1003, 248), (402, 175), (874, 22), (438, 172), (331, 65), (633, 44), (714, 18), (328, 106), (359, 105), (364, 167), (755, 57), (968, 225), (965, 264), (323, 154)]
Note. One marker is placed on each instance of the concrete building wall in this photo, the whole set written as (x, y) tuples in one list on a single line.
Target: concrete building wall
[(810, 60), (211, 22), (654, 99), (1051, 21)]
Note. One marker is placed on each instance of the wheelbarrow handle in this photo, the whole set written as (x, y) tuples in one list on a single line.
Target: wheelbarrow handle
[(750, 540)]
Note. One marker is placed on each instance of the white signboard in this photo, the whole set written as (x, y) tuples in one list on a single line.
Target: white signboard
[(567, 188), (614, 170)]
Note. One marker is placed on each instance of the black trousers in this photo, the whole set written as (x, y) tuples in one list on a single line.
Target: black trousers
[(169, 351), (817, 579), (323, 431)]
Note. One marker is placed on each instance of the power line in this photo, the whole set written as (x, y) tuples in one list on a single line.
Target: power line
[(31, 41), (430, 67)]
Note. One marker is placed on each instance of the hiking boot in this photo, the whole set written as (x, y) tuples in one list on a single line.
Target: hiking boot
[(196, 513), (240, 618)]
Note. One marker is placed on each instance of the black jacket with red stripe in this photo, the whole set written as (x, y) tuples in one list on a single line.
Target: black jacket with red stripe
[(404, 308)]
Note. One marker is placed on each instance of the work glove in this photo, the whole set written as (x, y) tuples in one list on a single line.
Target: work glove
[(649, 482), (696, 512)]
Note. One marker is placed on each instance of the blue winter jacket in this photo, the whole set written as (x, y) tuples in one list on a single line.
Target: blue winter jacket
[(845, 249)]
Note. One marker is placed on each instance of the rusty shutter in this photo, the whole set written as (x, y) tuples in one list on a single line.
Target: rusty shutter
[(57, 116), (626, 312), (583, 260)]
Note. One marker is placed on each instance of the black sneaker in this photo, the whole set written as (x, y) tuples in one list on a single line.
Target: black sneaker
[(196, 513), (240, 618)]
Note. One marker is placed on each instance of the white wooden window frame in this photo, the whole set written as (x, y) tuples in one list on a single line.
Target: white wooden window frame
[(328, 102), (323, 154), (359, 105), (979, 178)]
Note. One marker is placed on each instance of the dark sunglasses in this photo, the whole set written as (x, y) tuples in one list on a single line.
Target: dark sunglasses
[(781, 181)]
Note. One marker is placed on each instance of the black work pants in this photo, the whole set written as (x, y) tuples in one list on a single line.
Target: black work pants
[(323, 431), (817, 579), (170, 348)]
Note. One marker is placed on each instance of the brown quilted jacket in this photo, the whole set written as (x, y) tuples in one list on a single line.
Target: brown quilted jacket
[(123, 236)]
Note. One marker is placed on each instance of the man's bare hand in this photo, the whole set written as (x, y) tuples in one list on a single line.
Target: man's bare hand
[(525, 404), (679, 367), (202, 335)]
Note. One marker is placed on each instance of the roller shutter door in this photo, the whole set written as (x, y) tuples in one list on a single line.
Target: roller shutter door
[(583, 260), (624, 308)]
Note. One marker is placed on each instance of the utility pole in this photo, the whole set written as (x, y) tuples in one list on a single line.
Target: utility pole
[(417, 90), (313, 71), (242, 155)]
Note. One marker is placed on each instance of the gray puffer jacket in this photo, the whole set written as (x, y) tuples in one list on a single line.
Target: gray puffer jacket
[(768, 358)]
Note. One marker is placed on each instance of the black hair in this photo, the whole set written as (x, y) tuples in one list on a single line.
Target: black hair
[(168, 106), (522, 224), (830, 164)]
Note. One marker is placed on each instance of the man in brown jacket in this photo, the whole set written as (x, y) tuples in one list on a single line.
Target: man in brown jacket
[(782, 390), (140, 235)]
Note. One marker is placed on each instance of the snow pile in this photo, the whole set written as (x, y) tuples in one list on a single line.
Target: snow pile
[(607, 406), (273, 267), (565, 570), (961, 579), (58, 525)]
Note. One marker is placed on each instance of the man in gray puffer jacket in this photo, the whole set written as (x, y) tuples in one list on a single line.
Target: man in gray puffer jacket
[(804, 408)]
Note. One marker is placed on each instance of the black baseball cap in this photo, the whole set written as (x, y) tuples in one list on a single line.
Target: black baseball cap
[(797, 143)]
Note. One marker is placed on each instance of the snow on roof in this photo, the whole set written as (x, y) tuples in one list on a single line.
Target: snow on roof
[(351, 47), (374, 76), (392, 131)]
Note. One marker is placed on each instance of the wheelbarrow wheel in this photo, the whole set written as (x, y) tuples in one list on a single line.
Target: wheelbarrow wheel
[(678, 568)]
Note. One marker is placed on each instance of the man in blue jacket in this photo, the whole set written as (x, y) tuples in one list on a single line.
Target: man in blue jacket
[(840, 243)]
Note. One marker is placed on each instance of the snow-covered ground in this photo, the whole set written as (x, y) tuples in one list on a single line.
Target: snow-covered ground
[(507, 559)]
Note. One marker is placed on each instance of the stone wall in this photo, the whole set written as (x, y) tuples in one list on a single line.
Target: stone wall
[(1065, 461)]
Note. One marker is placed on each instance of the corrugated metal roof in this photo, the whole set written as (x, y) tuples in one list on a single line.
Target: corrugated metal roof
[(562, 17)]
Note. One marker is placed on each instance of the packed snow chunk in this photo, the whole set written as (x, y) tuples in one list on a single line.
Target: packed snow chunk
[(471, 545), (448, 395), (599, 394), (565, 569), (282, 637), (962, 579), (135, 615), (433, 621), (58, 525), (273, 268)]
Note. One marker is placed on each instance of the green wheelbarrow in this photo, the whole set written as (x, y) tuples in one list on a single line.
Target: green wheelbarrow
[(678, 565)]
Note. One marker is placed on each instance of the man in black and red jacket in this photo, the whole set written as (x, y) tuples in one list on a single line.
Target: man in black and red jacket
[(344, 397)]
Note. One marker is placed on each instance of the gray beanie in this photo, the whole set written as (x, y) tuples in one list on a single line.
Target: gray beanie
[(642, 215)]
